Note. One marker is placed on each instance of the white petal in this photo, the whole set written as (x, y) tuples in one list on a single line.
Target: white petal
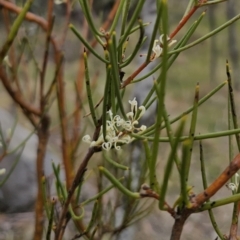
[(130, 115), (161, 38), (231, 186), (125, 139), (157, 50), (143, 128), (93, 144), (2, 171), (143, 110), (133, 105), (127, 125), (134, 123), (172, 42), (86, 139), (117, 147), (110, 114), (107, 146)]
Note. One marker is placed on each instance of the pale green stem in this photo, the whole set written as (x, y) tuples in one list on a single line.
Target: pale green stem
[(86, 44), (14, 29), (231, 21), (221, 202), (99, 194), (117, 184), (89, 91), (199, 137), (205, 185), (133, 19), (114, 163), (169, 166)]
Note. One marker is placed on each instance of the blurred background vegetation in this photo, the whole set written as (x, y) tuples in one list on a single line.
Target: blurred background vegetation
[(204, 64)]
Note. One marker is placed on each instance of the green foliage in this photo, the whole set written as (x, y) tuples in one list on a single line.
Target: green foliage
[(117, 132)]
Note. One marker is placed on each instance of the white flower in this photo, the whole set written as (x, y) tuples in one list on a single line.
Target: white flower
[(130, 115), (233, 185), (110, 114), (171, 43), (143, 110), (86, 139), (2, 171), (107, 146), (118, 120), (133, 105), (118, 130), (161, 38), (127, 125), (142, 128), (168, 39), (93, 144), (157, 48), (126, 139)]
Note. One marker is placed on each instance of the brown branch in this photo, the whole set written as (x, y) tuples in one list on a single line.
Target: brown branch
[(64, 214), (183, 22), (146, 191), (60, 87), (33, 18), (16, 95), (197, 201), (67, 20), (64, 129), (46, 54), (29, 16), (178, 225), (133, 75), (233, 167), (77, 179), (43, 135), (79, 89), (44, 25), (186, 18), (111, 16), (108, 21), (234, 227), (180, 219), (60, 93)]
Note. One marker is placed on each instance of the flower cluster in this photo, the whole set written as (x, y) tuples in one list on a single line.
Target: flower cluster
[(157, 49), (233, 185), (118, 130)]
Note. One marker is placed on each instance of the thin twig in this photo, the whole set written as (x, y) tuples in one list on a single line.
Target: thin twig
[(43, 135), (173, 34), (233, 167), (146, 191), (63, 218), (16, 95)]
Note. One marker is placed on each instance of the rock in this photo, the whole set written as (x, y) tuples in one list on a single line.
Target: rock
[(18, 193)]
